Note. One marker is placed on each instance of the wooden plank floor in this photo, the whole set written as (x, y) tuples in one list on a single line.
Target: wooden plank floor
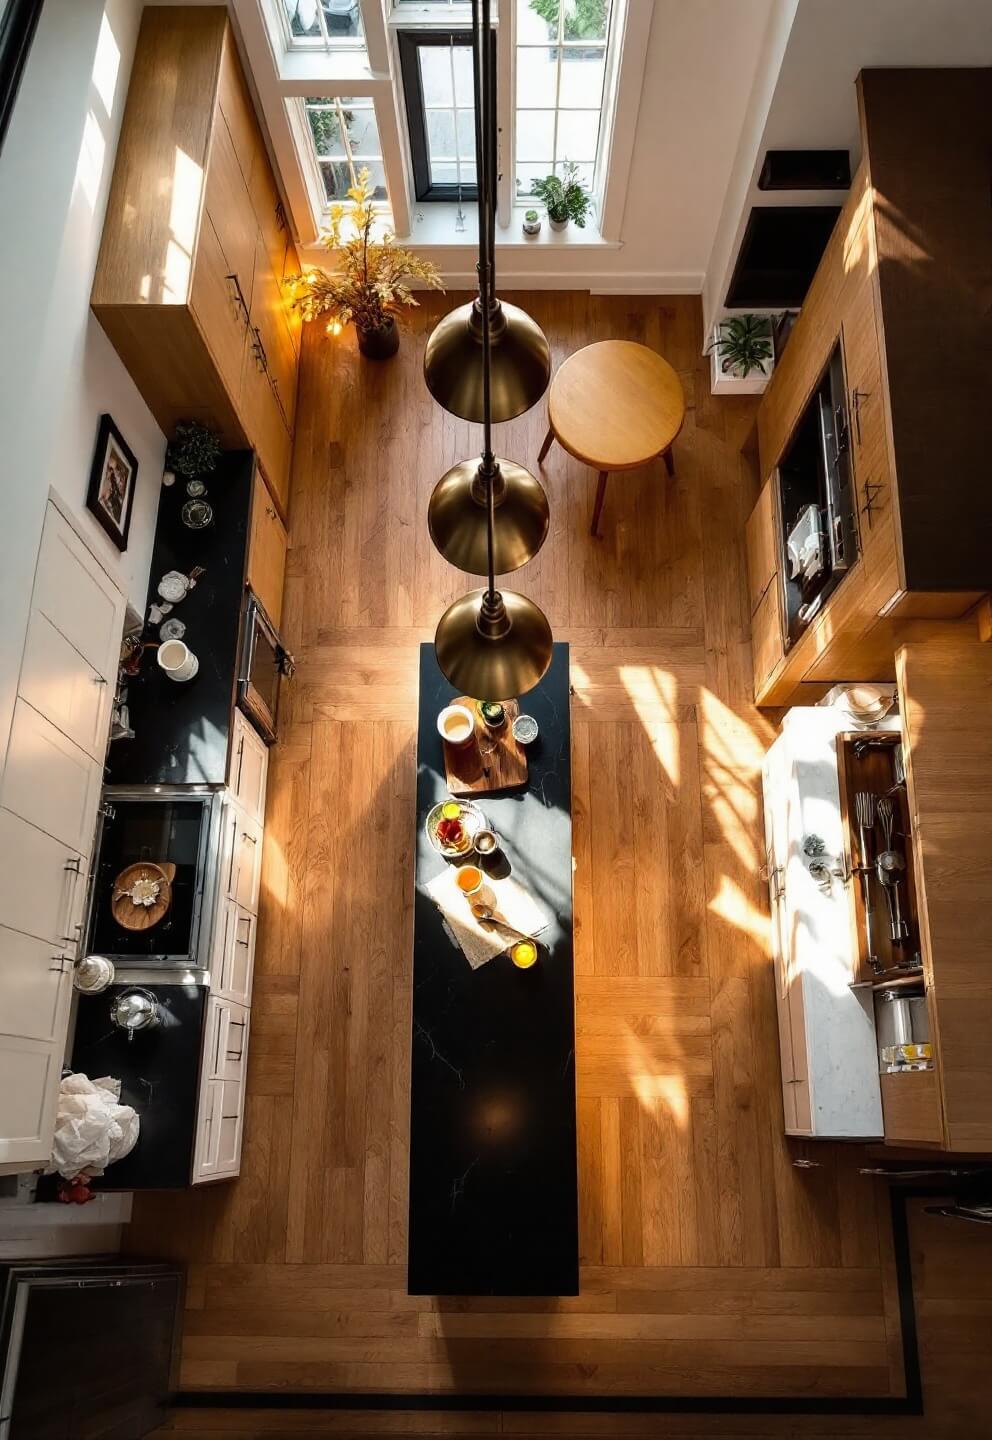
[(710, 1264)]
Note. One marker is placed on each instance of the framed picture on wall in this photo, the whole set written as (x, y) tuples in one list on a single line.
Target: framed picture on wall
[(112, 481)]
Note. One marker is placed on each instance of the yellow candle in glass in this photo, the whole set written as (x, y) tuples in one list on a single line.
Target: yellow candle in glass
[(524, 954)]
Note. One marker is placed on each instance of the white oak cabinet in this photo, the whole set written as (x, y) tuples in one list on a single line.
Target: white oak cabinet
[(49, 793)]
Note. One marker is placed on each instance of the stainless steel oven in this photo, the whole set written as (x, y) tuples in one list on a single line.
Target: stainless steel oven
[(265, 663)]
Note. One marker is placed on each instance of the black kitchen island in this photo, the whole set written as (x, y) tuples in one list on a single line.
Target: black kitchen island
[(493, 1187)]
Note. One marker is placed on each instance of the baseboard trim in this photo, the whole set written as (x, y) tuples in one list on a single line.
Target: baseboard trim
[(624, 282), (909, 1404)]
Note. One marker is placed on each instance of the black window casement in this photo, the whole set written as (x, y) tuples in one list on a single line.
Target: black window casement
[(440, 134)]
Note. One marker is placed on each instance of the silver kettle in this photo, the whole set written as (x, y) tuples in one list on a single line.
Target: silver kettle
[(135, 1010)]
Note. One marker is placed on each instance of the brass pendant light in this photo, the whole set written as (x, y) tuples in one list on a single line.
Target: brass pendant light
[(493, 645), (519, 359), (458, 521), (490, 645)]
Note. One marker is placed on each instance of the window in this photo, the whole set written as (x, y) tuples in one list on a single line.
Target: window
[(328, 23), (345, 141), (440, 106), (560, 77)]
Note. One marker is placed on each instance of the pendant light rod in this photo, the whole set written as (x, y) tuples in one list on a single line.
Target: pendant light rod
[(485, 147)]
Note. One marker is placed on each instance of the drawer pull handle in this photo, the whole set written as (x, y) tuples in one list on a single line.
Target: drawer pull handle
[(235, 1054), (99, 680), (59, 964), (270, 512), (856, 398), (72, 864)]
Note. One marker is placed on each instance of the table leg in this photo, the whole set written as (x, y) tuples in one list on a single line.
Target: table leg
[(548, 439), (669, 462), (597, 509)]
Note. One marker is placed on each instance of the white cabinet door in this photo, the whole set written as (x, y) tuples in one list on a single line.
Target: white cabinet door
[(50, 781), (59, 683), (42, 883), (220, 1113), (35, 991), (75, 593), (249, 767)]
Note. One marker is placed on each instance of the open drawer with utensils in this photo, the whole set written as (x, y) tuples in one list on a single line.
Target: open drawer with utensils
[(885, 928)]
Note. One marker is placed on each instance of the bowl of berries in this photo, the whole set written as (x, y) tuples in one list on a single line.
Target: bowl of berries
[(452, 827)]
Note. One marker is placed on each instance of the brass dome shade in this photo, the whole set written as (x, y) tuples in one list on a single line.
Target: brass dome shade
[(493, 645), (520, 362), (458, 520)]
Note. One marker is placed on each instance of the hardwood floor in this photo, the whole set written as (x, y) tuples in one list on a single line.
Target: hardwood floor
[(711, 1266)]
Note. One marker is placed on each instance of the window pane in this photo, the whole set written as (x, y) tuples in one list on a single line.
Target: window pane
[(336, 176), (342, 19), (535, 134), (466, 135), (584, 19), (578, 133), (537, 76), (526, 175), (435, 75), (582, 72)]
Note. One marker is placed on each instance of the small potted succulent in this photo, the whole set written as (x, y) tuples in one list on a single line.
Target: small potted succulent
[(565, 197), (532, 222), (741, 354), (369, 285)]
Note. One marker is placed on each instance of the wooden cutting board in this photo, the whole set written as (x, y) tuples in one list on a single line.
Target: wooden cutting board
[(492, 759)]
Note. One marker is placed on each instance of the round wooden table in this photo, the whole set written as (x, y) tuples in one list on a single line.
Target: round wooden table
[(615, 406)]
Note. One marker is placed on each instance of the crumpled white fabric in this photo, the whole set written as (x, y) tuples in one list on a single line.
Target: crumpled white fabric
[(92, 1129)]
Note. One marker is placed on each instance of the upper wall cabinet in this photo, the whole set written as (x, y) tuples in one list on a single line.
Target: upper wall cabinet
[(189, 282), (897, 318)]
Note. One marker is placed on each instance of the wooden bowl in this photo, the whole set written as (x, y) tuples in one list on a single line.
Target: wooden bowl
[(142, 917)]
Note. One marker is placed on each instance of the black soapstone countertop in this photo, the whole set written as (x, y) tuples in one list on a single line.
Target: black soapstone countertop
[(493, 1188)]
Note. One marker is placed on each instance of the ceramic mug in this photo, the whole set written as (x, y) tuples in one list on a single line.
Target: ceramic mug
[(177, 660), (456, 724)]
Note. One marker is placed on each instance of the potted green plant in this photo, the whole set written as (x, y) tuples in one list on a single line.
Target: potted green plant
[(369, 285), (192, 452), (532, 222), (565, 197), (742, 354)]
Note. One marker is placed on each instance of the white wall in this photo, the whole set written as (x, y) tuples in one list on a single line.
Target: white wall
[(58, 371), (814, 102)]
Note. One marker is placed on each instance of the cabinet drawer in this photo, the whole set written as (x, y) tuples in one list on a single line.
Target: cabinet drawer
[(266, 428), (233, 953), (215, 305), (77, 596), (766, 636), (246, 863), (268, 315), (249, 765), (911, 1108), (761, 537), (42, 883), (226, 1040), (60, 684), (49, 781)]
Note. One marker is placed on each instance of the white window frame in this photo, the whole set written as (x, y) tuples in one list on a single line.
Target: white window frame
[(286, 69)]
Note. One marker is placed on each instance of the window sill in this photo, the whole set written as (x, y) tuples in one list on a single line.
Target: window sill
[(434, 225)]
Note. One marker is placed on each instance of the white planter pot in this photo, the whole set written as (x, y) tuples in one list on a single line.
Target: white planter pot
[(728, 383), (557, 224), (532, 227)]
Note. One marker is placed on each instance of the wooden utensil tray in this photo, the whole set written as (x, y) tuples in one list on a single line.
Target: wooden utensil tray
[(492, 759), (866, 760)]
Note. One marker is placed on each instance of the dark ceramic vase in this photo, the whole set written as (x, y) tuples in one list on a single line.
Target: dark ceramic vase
[(380, 344)]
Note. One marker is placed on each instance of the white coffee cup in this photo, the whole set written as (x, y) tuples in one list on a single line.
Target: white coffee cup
[(456, 724), (177, 660)]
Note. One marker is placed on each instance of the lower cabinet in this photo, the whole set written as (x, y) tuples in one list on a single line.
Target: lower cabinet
[(220, 1117)]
